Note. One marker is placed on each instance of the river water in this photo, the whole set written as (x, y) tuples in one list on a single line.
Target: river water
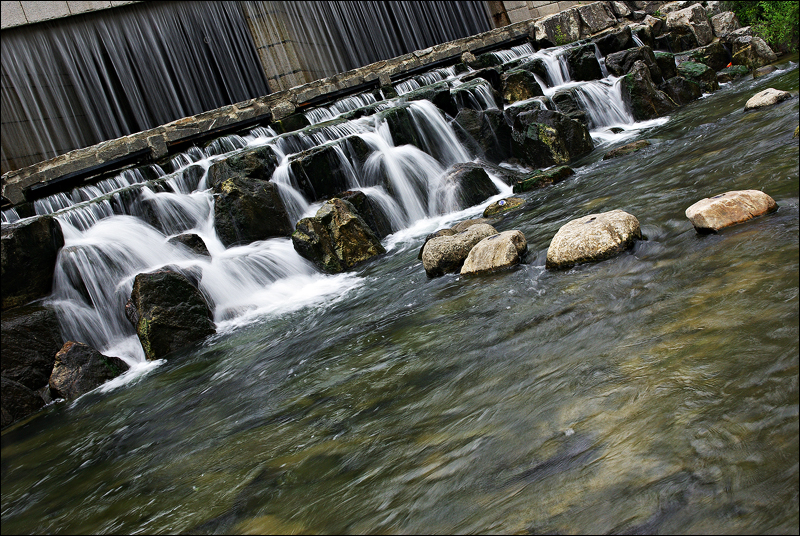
[(654, 392)]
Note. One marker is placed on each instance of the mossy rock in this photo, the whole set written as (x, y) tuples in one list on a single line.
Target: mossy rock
[(666, 62), (540, 179), (700, 73), (520, 84), (503, 205), (626, 149)]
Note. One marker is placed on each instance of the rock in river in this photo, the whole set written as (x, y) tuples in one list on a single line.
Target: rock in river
[(79, 368), (768, 97), (592, 238), (495, 253), (723, 210), (447, 253)]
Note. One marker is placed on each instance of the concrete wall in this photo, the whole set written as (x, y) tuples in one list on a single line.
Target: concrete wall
[(17, 13)]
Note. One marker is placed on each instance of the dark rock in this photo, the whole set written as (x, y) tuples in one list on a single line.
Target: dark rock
[(485, 60), (543, 138), (681, 90), (191, 241), (464, 95), (666, 63), (644, 33), (488, 130), (296, 121), (17, 401), (582, 63), (614, 41), (645, 100), (715, 55), (677, 40), (621, 63), (246, 210), (401, 127), (520, 84), (538, 67), (173, 314), (438, 94), (370, 211), (79, 368), (626, 149), (320, 172), (702, 74), (537, 103), (474, 184), (28, 253), (765, 70), (31, 337), (336, 238), (566, 103), (508, 176), (540, 179), (490, 74)]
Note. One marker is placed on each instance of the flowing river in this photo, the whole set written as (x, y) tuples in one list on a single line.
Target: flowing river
[(654, 392)]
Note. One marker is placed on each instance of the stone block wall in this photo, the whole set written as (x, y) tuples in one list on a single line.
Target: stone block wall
[(521, 10), (17, 13)]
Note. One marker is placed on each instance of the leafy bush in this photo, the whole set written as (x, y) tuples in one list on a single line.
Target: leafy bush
[(775, 22)]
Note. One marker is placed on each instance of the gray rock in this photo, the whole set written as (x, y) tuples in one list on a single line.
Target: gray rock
[(621, 63), (336, 238), (31, 337), (28, 253), (172, 313), (592, 238), (752, 52), (447, 254), (645, 100), (724, 23), (558, 29), (474, 184), (723, 210), (494, 253), (596, 17), (768, 97), (693, 16), (246, 210), (17, 401), (79, 368)]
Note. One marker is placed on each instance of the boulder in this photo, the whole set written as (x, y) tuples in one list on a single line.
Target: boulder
[(246, 210), (681, 90), (596, 17), (677, 40), (488, 130), (28, 253), (666, 64), (447, 254), (566, 103), (474, 184), (592, 238), (537, 103), (436, 234), (765, 70), (191, 241), (752, 52), (702, 74), (336, 238), (438, 93), (17, 401), (714, 55), (520, 84), (172, 313), (255, 163), (370, 211), (582, 63), (655, 24), (320, 171), (620, 9), (732, 73), (538, 67), (645, 100), (494, 253), (693, 16), (626, 149), (31, 337), (614, 41), (295, 121), (401, 126), (466, 224), (79, 368), (724, 23), (503, 205), (768, 97), (542, 138), (621, 63), (558, 29), (712, 214), (482, 61), (644, 33), (540, 179)]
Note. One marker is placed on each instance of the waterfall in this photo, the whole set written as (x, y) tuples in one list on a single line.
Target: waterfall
[(602, 100)]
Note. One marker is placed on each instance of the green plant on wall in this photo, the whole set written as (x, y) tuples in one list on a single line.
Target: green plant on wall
[(561, 37), (775, 22)]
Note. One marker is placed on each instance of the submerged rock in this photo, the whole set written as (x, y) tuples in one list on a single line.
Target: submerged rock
[(495, 253), (732, 73), (191, 241), (31, 337), (446, 254), (17, 401), (172, 313), (336, 238), (503, 205), (645, 100), (246, 210), (592, 238), (681, 90), (700, 73), (723, 210), (626, 149), (79, 368), (474, 184), (28, 253), (765, 70), (540, 179), (768, 97)]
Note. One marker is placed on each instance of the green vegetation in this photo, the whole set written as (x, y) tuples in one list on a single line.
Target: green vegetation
[(775, 22)]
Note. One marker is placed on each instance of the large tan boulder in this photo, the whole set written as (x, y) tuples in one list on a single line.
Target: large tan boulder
[(592, 238), (723, 210), (495, 253), (768, 97), (695, 17), (447, 253)]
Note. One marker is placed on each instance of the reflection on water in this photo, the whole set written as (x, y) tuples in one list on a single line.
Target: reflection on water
[(653, 392)]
